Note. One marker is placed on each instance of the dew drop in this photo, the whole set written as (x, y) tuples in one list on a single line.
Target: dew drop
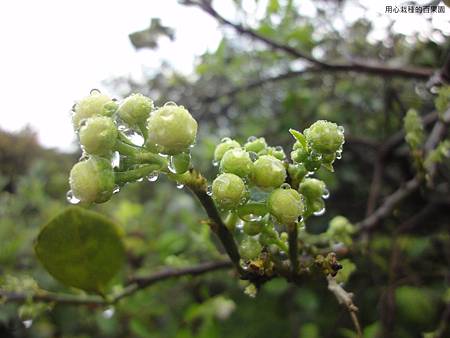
[(339, 155), (122, 128), (240, 224), (215, 163), (319, 212), (251, 139), (225, 139), (285, 186), (74, 107), (95, 91), (115, 161), (108, 313), (116, 189), (171, 165), (341, 129), (279, 148), (170, 104), (209, 190), (71, 198), (326, 194), (180, 185), (153, 177), (140, 179), (253, 217), (27, 323)]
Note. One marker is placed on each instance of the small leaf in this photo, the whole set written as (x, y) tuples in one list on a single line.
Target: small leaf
[(299, 137), (81, 248)]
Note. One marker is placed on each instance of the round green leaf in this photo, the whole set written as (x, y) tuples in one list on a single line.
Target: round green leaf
[(81, 248)]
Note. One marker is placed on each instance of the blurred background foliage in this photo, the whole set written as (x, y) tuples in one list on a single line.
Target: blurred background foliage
[(401, 280)]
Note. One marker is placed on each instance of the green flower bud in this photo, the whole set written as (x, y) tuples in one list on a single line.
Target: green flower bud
[(94, 104), (285, 205), (250, 248), (255, 144), (135, 109), (296, 172), (98, 136), (340, 226), (253, 228), (180, 163), (312, 188), (228, 191), (276, 152), (299, 155), (268, 172), (172, 129), (92, 180), (325, 137), (223, 147), (236, 161)]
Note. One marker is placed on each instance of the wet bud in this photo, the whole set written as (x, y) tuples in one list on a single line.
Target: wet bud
[(250, 248), (253, 228), (285, 205), (92, 181), (325, 137), (172, 129), (98, 136), (299, 155), (135, 109), (228, 191), (312, 188), (223, 147), (256, 145), (297, 172), (276, 152), (94, 104), (268, 172), (236, 161), (180, 162)]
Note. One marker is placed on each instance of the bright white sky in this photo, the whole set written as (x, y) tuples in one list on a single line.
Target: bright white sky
[(53, 52)]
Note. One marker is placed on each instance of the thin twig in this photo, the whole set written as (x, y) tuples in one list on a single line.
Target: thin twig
[(353, 66), (345, 298), (136, 284)]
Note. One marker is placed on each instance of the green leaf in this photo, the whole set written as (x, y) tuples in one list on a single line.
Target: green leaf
[(81, 248), (299, 137)]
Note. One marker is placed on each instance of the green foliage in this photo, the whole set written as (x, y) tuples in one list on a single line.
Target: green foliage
[(414, 129), (81, 248)]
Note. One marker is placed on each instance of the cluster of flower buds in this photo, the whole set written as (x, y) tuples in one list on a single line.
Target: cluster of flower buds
[(264, 194), (127, 141)]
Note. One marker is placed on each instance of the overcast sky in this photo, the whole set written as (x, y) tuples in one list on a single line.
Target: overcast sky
[(53, 52)]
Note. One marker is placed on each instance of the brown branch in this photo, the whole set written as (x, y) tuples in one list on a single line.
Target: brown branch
[(353, 66), (345, 298), (412, 185), (136, 284)]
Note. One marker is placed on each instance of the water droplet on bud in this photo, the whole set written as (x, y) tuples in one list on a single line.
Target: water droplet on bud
[(325, 194), (180, 185), (27, 323), (209, 190), (215, 163), (116, 189), (71, 198), (285, 186), (319, 212), (115, 160), (225, 139), (95, 91), (252, 138), (153, 177), (170, 103), (108, 313)]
